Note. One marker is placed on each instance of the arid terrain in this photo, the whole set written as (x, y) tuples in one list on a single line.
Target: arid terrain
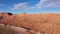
[(33, 23)]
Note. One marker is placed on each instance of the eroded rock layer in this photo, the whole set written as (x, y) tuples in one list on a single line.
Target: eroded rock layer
[(43, 23)]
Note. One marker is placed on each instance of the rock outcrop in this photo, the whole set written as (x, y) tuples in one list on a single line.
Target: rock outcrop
[(43, 23), (12, 30)]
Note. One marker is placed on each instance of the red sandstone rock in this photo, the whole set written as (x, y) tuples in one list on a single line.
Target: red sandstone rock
[(12, 30), (43, 23)]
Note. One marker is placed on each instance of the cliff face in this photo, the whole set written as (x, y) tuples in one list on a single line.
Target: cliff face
[(44, 23)]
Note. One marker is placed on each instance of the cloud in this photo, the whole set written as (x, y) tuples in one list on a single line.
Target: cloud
[(48, 3), (39, 5), (2, 5), (21, 6)]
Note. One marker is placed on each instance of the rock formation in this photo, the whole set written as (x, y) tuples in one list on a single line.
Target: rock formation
[(12, 30), (43, 23)]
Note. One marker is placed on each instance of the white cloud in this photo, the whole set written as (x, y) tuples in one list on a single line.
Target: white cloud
[(48, 3), (2, 5), (41, 4), (21, 6)]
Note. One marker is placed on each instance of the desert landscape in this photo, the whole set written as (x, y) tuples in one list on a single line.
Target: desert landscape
[(29, 23), (29, 16)]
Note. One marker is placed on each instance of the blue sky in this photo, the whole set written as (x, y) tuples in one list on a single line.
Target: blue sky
[(30, 6)]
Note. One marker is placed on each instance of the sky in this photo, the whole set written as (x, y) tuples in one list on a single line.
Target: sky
[(30, 6)]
